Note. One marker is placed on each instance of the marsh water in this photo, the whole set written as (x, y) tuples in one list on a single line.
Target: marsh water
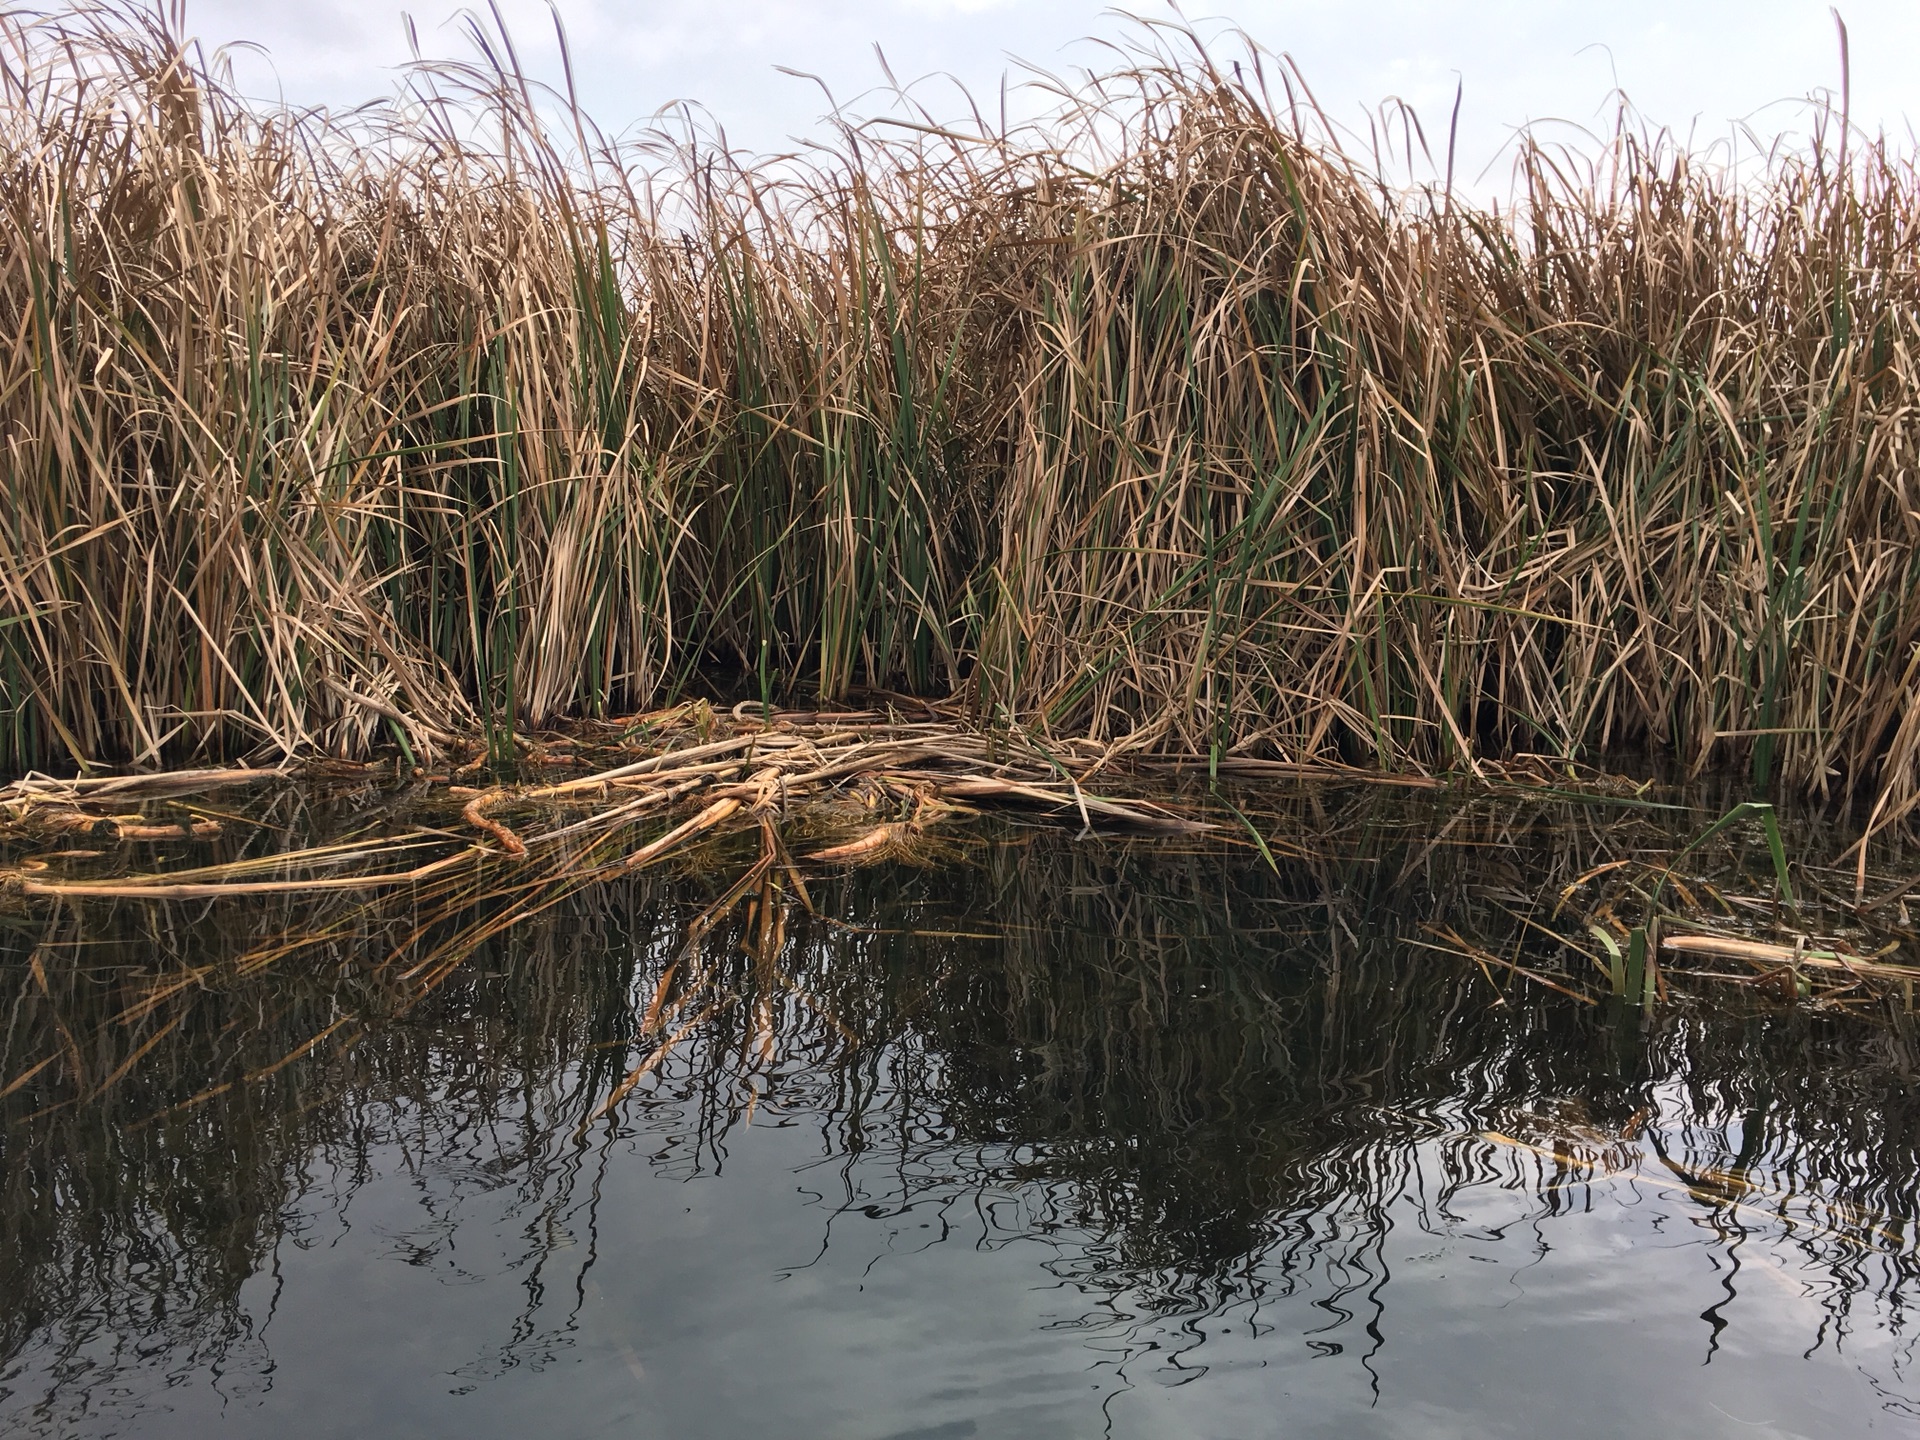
[(1031, 1135)]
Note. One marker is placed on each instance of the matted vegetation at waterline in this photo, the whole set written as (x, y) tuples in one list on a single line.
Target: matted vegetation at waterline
[(1114, 1005), (1165, 420), (1647, 892)]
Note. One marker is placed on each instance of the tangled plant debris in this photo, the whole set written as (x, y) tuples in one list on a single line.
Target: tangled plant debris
[(1644, 900)]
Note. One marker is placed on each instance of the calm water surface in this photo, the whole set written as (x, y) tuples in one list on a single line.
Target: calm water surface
[(1043, 1137)]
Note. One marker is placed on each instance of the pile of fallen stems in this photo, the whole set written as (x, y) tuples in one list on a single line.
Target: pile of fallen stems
[(1165, 419), (702, 773), (657, 921), (1631, 902)]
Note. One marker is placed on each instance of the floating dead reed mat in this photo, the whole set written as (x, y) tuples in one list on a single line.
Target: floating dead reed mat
[(776, 795), (823, 788)]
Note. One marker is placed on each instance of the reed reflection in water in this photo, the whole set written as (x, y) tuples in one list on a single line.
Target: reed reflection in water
[(1052, 1137)]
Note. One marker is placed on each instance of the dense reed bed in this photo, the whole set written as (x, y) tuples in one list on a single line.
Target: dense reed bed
[(1167, 420)]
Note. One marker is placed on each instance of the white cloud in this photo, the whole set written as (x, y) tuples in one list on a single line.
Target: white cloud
[(1703, 64)]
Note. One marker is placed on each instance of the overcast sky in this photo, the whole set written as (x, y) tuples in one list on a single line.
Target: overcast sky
[(1690, 64)]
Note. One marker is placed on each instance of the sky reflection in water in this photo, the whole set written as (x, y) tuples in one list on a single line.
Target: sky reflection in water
[(1051, 1138)]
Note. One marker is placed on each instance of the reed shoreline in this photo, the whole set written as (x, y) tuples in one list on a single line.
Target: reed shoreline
[(755, 807), (1168, 423)]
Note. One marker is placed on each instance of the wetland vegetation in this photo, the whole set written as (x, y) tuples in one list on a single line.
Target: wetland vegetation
[(986, 764), (1174, 419)]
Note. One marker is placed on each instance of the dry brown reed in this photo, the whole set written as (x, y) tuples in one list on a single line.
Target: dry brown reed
[(1641, 895), (1167, 421)]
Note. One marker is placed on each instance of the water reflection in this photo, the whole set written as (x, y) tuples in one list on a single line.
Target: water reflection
[(1028, 1141)]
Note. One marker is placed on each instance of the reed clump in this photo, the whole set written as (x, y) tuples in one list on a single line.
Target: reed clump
[(1166, 422)]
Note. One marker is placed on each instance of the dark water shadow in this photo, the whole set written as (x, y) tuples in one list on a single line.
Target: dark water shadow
[(1199, 1094)]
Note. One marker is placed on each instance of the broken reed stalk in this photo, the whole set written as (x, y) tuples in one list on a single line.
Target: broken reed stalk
[(1166, 419)]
